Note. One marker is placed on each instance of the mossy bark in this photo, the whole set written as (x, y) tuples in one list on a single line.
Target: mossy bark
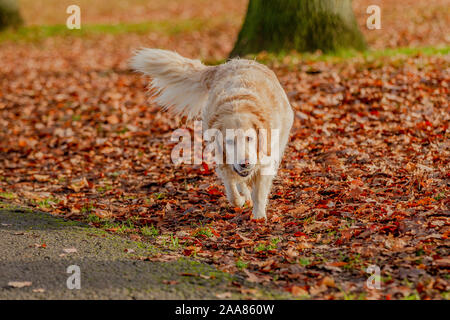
[(301, 25), (9, 14)]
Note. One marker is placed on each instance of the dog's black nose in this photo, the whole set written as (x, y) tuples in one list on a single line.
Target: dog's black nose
[(245, 165)]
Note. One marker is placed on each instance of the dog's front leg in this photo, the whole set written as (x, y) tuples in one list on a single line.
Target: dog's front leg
[(233, 194), (260, 195), (245, 192), (231, 189)]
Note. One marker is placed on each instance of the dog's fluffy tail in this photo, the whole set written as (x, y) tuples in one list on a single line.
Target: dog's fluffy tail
[(178, 84)]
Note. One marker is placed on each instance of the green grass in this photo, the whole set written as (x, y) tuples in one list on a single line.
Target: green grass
[(37, 33), (260, 247), (93, 218), (304, 262), (273, 243), (293, 58), (7, 195), (158, 195), (172, 242), (352, 261), (127, 226), (354, 296), (45, 203), (203, 231), (87, 208), (241, 264), (105, 188), (413, 296), (149, 231), (439, 196), (271, 246)]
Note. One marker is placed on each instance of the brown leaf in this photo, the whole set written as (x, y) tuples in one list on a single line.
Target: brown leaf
[(225, 295), (328, 281), (298, 291), (251, 277), (19, 284)]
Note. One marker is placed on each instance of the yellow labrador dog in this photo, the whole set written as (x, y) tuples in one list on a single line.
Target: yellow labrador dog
[(241, 99)]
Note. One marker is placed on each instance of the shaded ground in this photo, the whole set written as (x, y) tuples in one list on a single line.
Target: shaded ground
[(32, 248)]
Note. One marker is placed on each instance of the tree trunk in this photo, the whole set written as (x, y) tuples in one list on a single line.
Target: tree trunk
[(9, 14), (301, 25)]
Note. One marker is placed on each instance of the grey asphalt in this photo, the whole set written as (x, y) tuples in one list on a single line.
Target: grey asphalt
[(107, 268)]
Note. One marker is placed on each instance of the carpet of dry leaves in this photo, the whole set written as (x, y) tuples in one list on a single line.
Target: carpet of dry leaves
[(364, 181)]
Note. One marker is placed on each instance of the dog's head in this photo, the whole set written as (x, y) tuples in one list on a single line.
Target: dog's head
[(240, 142)]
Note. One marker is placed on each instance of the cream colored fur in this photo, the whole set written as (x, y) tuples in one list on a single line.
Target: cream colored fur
[(240, 94)]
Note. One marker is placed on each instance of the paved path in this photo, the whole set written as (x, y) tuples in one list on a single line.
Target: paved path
[(107, 270)]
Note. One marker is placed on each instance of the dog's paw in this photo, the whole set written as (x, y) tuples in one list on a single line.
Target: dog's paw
[(238, 201), (258, 214)]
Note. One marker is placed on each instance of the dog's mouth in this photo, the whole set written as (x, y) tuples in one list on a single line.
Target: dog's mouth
[(242, 173)]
